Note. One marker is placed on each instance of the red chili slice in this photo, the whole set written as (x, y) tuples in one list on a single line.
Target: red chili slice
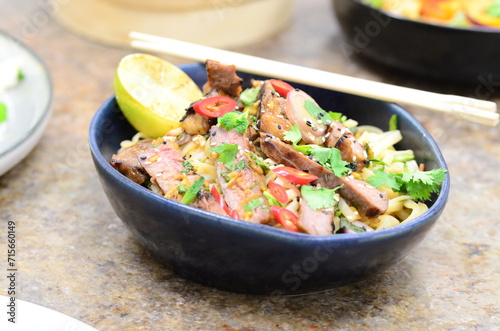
[(214, 106), (218, 198), (281, 87), (278, 192), (294, 175), (234, 214), (286, 218)]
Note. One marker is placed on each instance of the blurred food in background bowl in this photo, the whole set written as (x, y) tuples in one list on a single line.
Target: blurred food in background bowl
[(222, 24), (467, 54)]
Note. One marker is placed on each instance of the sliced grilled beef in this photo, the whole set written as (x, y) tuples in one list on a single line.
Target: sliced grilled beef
[(127, 162), (165, 165), (241, 184), (223, 79), (340, 137), (272, 113), (366, 198), (206, 201), (316, 222)]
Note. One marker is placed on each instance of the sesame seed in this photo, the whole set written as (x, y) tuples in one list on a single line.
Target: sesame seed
[(143, 157)]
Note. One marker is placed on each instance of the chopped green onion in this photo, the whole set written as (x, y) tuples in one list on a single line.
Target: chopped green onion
[(192, 191)]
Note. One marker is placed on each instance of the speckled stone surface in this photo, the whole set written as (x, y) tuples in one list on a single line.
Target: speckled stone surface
[(75, 255)]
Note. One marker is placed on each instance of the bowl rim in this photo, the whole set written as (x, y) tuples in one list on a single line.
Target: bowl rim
[(474, 30), (45, 114), (433, 211)]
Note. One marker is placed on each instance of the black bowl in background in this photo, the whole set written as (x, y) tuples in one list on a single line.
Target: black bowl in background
[(238, 256), (461, 55)]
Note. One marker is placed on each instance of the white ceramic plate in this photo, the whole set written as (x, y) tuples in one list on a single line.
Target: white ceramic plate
[(28, 104), (32, 317)]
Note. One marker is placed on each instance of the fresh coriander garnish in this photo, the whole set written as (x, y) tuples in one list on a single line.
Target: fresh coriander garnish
[(331, 159), (418, 184), (293, 135), (317, 112), (253, 204), (249, 96), (319, 198), (227, 153), (234, 120)]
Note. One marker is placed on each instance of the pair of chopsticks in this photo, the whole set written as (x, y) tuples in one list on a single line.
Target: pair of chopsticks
[(474, 110)]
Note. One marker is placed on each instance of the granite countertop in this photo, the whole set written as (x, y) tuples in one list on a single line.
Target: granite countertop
[(75, 255)]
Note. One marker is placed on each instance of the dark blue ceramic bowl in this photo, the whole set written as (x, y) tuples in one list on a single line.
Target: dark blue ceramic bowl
[(237, 256)]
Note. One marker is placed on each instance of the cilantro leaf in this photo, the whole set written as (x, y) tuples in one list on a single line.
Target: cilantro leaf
[(382, 178), (319, 198), (293, 135), (234, 120), (322, 154), (227, 153), (249, 96), (305, 149), (418, 184), (314, 110), (331, 159), (337, 165), (253, 204)]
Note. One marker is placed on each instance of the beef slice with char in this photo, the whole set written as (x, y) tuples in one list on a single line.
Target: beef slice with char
[(272, 113), (366, 198), (315, 222), (351, 150), (223, 79), (127, 162), (240, 186), (164, 163)]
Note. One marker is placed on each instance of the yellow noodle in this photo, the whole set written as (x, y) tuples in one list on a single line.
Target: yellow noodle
[(387, 221)]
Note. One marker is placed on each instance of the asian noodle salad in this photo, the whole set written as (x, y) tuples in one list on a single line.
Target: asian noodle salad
[(459, 13), (269, 154)]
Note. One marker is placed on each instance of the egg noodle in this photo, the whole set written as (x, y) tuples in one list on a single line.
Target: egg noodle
[(402, 207)]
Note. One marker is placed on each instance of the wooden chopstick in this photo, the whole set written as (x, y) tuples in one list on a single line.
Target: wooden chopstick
[(474, 110)]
